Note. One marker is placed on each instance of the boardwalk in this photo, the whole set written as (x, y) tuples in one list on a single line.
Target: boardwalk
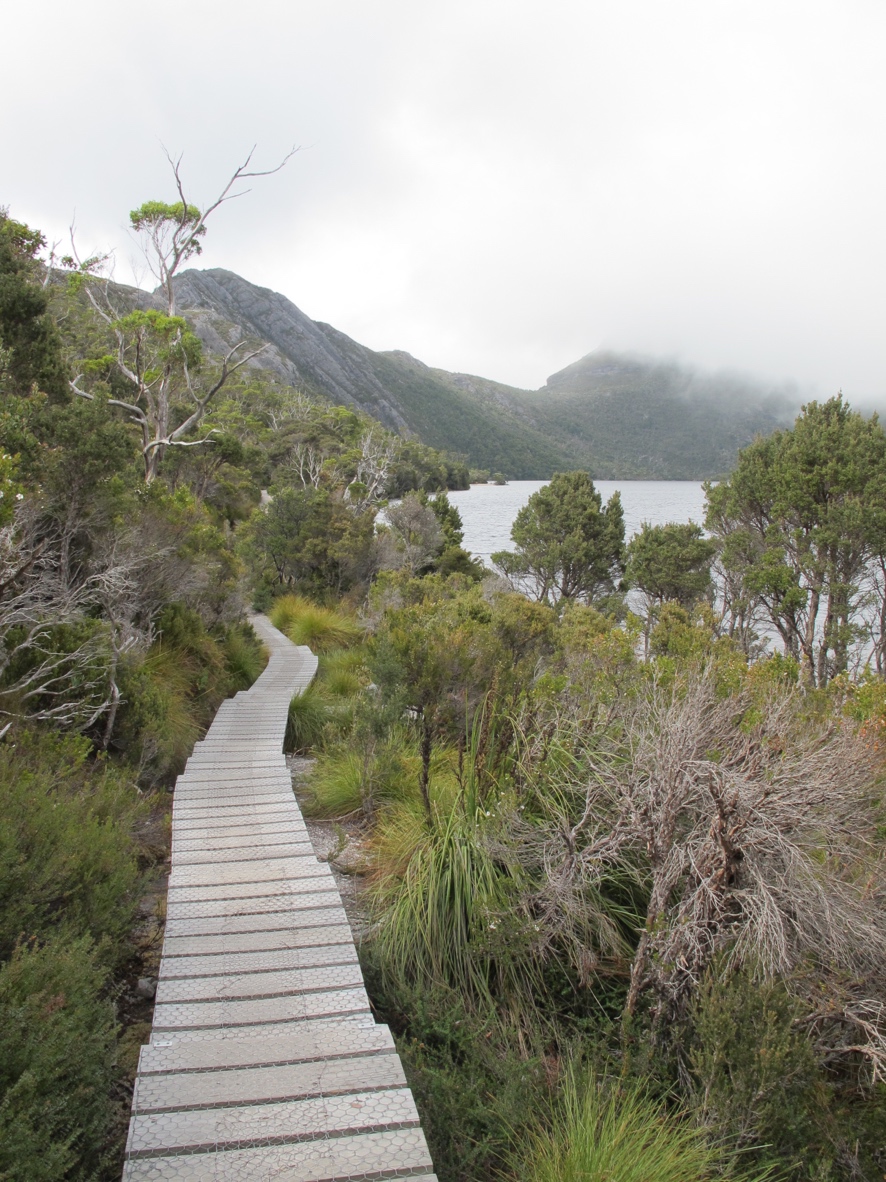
[(264, 1061)]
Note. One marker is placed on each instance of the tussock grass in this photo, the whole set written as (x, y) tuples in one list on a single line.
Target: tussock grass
[(343, 672), (336, 785), (620, 1135), (345, 779), (321, 628), (311, 713), (436, 887), (244, 657)]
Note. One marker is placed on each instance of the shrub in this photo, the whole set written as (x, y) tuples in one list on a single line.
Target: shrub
[(170, 695), (67, 855), (756, 1082), (57, 1044), (474, 1083)]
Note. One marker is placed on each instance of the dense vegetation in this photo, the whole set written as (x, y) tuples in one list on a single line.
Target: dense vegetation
[(624, 861), (623, 851)]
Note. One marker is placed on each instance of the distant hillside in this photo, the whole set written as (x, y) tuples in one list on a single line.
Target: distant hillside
[(626, 416), (618, 416)]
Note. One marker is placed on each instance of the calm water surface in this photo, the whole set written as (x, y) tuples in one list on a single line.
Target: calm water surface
[(488, 510)]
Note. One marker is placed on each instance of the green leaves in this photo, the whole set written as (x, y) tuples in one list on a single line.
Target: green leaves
[(799, 523), (568, 545), (671, 562), (170, 335), (157, 216)]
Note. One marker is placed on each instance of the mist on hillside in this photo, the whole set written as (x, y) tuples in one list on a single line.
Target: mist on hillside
[(606, 372)]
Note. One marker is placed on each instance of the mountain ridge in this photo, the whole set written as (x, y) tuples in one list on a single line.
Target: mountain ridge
[(618, 415)]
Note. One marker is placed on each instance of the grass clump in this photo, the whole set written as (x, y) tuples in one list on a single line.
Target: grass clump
[(435, 916), (245, 657), (346, 778), (343, 672), (337, 785), (619, 1134), (321, 628), (310, 713)]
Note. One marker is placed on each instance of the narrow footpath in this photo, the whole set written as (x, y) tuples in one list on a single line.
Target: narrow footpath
[(265, 1061)]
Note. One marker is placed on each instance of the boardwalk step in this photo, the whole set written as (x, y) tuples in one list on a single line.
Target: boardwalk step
[(392, 1154)]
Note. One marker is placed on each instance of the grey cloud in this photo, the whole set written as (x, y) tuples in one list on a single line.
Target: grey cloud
[(493, 186)]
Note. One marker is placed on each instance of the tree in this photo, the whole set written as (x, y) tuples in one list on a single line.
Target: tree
[(27, 333), (171, 233), (568, 545), (799, 523), (669, 563), (437, 657), (156, 355), (309, 539), (414, 536)]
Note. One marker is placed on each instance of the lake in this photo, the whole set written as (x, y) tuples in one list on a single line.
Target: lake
[(488, 510)]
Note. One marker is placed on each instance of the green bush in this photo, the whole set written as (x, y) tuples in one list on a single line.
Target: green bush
[(475, 1084), (170, 695), (757, 1085), (57, 1053), (67, 855)]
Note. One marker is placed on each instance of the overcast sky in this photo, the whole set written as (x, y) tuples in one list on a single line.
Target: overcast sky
[(496, 186)]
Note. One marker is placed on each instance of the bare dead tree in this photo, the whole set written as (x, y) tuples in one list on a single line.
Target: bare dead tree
[(153, 356), (377, 455), (306, 464), (42, 678), (172, 233), (413, 536), (118, 588), (294, 409), (748, 826)]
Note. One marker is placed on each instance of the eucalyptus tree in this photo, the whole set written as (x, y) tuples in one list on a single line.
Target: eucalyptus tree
[(800, 523), (156, 358)]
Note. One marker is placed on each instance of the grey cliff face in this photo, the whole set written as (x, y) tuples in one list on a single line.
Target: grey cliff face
[(226, 308)]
